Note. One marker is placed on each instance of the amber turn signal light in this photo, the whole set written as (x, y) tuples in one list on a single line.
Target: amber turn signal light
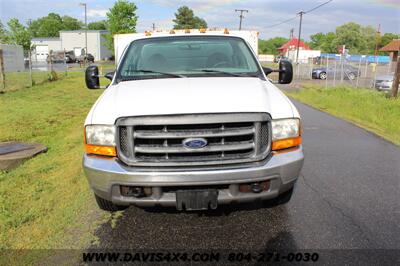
[(100, 150), (286, 143)]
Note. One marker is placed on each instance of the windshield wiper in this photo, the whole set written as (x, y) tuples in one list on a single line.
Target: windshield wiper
[(222, 72), (153, 71)]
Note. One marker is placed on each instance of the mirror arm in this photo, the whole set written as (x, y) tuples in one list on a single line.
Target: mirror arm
[(268, 71)]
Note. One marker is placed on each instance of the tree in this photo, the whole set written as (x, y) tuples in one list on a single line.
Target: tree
[(4, 34), (385, 39), (271, 46), (185, 19), (330, 45), (50, 25), (19, 34), (358, 39), (324, 42), (98, 25), (121, 18), (317, 40), (70, 23)]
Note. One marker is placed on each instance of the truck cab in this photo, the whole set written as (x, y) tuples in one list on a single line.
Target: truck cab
[(190, 120)]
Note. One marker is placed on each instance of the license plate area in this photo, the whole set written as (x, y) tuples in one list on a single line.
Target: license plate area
[(196, 199)]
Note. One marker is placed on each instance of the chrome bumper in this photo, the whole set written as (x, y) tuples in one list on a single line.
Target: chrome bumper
[(106, 175)]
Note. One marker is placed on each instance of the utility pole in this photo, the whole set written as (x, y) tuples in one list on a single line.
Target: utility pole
[(291, 33), (396, 77), (154, 27), (377, 37), (86, 29), (241, 16), (301, 13)]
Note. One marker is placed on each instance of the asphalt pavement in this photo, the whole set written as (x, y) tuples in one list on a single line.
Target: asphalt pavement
[(347, 197)]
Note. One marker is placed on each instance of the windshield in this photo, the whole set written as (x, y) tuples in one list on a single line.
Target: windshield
[(187, 56)]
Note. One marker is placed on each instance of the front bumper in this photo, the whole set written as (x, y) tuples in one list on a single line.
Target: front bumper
[(105, 177)]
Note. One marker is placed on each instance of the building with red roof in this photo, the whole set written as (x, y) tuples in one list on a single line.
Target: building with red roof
[(292, 45)]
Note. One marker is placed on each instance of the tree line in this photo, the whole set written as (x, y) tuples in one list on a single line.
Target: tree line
[(357, 38), (122, 18)]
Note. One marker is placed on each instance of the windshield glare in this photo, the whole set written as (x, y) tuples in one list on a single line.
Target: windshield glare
[(189, 56)]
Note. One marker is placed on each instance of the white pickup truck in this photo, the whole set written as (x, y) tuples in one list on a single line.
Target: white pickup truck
[(190, 120)]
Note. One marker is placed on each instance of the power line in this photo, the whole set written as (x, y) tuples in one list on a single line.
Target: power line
[(312, 9), (298, 14), (282, 22)]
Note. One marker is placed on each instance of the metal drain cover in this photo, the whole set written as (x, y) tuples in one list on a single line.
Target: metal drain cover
[(14, 153), (11, 147)]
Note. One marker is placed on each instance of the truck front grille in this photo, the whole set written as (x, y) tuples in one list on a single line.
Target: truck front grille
[(158, 140)]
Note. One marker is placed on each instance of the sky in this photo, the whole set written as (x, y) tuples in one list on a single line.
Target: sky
[(221, 13)]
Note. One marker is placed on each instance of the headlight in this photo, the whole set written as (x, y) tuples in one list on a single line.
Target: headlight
[(100, 135), (100, 139), (285, 133), (285, 128)]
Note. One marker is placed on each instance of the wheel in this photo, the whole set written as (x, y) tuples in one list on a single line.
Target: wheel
[(280, 200), (106, 205), (322, 75), (351, 76)]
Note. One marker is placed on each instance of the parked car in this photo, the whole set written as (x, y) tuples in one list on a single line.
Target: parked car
[(384, 82), (191, 121), (89, 58), (70, 57), (56, 57), (349, 72)]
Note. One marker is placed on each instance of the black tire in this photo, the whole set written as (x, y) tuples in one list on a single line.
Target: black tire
[(106, 205), (280, 200), (322, 75)]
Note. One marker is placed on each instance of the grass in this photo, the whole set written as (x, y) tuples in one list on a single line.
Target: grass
[(21, 80), (42, 198), (369, 109)]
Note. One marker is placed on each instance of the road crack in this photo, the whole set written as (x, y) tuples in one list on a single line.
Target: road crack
[(338, 209)]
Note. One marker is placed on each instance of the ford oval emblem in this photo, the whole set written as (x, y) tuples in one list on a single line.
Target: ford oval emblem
[(194, 143)]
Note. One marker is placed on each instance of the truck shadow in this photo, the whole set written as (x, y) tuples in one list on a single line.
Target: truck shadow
[(222, 210), (244, 226)]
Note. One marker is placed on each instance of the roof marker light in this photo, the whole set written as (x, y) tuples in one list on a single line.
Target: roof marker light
[(226, 31), (171, 32), (187, 31), (147, 33), (202, 30)]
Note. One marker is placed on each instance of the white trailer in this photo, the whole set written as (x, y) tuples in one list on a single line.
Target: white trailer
[(121, 41)]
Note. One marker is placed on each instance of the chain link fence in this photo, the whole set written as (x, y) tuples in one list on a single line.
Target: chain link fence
[(19, 69), (337, 70)]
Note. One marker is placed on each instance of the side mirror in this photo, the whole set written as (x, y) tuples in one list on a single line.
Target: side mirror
[(285, 72), (109, 75), (92, 77)]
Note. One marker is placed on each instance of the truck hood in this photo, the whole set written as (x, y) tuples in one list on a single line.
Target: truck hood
[(189, 96)]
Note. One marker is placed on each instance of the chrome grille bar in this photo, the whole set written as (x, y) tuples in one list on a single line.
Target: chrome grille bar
[(181, 149), (158, 140), (171, 134)]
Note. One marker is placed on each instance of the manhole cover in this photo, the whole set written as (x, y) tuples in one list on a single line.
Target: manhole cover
[(11, 147), (14, 153)]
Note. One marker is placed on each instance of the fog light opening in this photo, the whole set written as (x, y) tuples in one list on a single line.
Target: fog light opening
[(255, 187), (137, 192)]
